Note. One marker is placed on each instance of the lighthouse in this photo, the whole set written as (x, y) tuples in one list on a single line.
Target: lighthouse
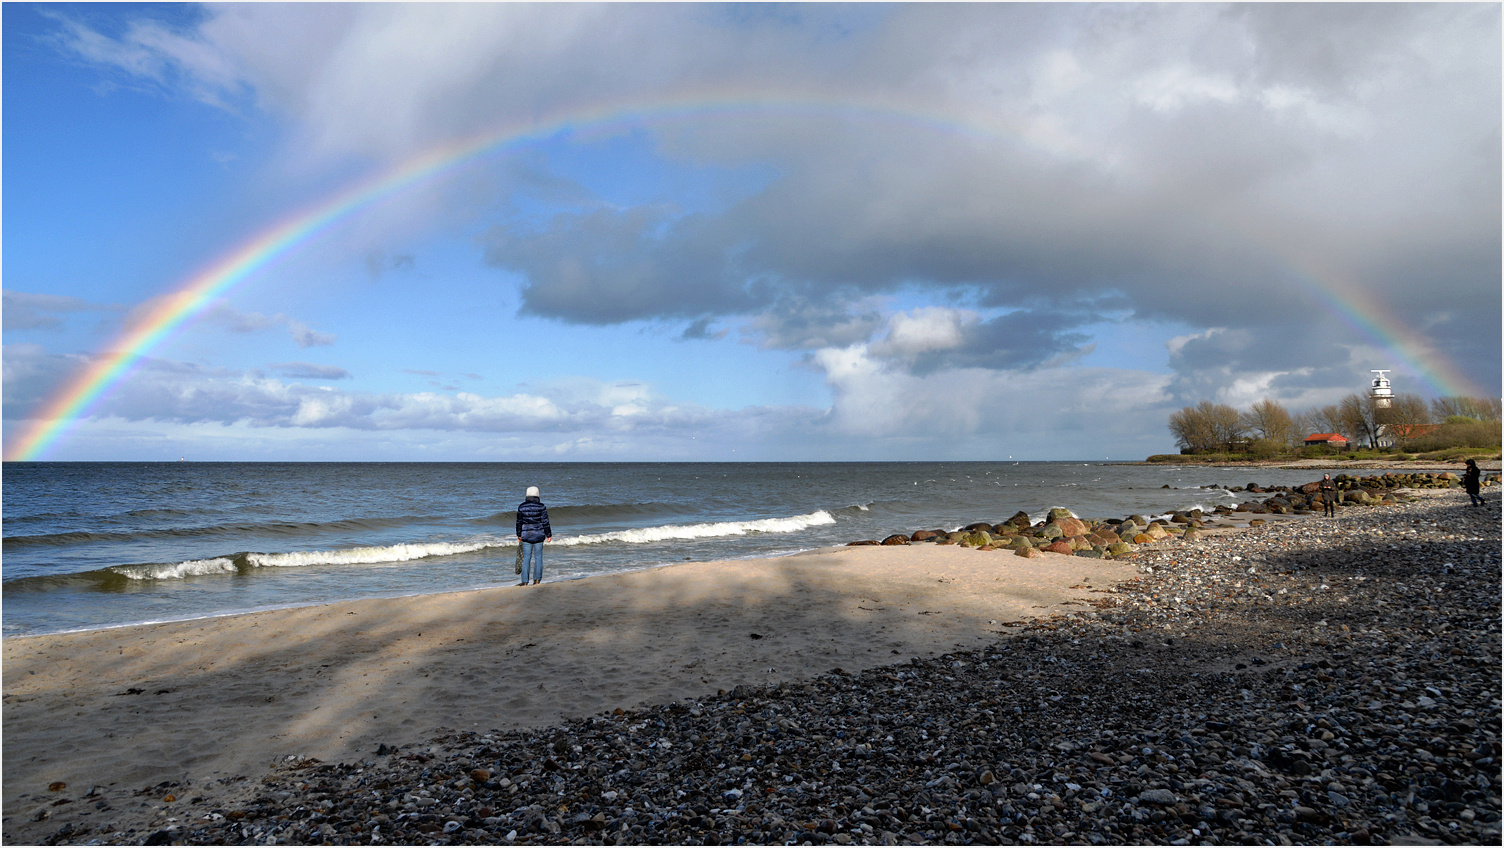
[(1381, 393)]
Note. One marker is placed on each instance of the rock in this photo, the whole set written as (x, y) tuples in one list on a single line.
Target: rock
[(924, 536), (1020, 519), (1071, 526), (864, 542), (1050, 531), (1060, 547), (1027, 552), (1163, 797), (1058, 513), (896, 539)]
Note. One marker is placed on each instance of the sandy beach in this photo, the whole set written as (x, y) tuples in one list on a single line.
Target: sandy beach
[(208, 701)]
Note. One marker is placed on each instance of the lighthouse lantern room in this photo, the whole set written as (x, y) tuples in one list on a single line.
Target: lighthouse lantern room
[(1381, 393)]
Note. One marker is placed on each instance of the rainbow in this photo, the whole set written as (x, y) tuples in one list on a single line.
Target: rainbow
[(166, 314), (1368, 315)]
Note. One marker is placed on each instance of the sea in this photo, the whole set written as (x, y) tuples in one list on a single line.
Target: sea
[(89, 545)]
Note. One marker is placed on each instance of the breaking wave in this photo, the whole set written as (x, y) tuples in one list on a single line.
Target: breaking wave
[(121, 577), (675, 532)]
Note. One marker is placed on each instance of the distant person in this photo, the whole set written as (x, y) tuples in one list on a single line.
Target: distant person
[(1329, 495), (532, 531), (1472, 480)]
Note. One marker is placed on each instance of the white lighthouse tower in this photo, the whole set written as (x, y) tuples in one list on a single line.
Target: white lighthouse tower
[(1381, 393)]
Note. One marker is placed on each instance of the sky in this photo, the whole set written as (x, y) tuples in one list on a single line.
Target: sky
[(622, 232)]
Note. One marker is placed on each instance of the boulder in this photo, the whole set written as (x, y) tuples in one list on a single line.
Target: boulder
[(1050, 531), (1119, 548), (924, 536), (980, 525), (1091, 553), (1020, 519), (865, 542), (1060, 546), (1071, 526), (896, 539), (1026, 552), (1058, 513), (976, 539)]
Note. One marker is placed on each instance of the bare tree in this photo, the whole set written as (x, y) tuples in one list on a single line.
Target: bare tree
[(1407, 410), (1271, 421), (1191, 430), (1207, 426), (1480, 408), (1328, 419)]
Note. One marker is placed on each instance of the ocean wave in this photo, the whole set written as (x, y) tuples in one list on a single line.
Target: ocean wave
[(278, 528), (121, 577), (673, 532), (592, 513)]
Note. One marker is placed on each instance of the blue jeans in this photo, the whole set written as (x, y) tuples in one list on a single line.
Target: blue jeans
[(532, 555)]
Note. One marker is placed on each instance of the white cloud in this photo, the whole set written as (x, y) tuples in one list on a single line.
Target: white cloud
[(926, 329)]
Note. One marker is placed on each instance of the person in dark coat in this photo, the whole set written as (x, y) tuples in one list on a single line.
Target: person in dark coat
[(532, 531), (1472, 480), (1329, 494)]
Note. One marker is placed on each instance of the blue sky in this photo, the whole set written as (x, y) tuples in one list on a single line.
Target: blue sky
[(876, 232)]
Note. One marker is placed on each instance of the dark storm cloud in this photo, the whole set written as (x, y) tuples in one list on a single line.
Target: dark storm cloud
[(1213, 153), (608, 267)]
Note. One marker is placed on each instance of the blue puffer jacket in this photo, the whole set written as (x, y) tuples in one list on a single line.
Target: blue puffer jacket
[(532, 521)]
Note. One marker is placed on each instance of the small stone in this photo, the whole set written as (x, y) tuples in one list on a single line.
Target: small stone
[(1163, 797)]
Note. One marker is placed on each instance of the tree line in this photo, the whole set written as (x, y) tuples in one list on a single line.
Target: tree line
[(1269, 427)]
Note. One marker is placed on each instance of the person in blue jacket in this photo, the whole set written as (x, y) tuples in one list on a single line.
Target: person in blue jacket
[(532, 531)]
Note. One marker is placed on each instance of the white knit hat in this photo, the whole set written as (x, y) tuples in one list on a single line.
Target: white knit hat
[(532, 491)]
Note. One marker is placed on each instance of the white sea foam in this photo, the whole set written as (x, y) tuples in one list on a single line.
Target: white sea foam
[(177, 570), (407, 552), (361, 556), (709, 530)]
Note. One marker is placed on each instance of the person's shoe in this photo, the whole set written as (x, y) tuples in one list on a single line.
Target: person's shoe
[(535, 582)]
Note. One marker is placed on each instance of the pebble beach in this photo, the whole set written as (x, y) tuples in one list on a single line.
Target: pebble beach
[(1307, 681)]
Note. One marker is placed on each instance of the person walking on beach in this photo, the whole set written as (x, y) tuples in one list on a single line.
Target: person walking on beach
[(1329, 495), (1472, 480), (532, 531)]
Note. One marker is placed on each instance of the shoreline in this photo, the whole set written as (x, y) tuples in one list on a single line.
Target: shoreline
[(1419, 465), (211, 734), (207, 700)]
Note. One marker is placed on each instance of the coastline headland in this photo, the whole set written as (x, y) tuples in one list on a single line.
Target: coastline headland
[(1306, 680)]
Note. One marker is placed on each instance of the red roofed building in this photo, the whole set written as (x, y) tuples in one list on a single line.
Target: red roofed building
[(1333, 440)]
